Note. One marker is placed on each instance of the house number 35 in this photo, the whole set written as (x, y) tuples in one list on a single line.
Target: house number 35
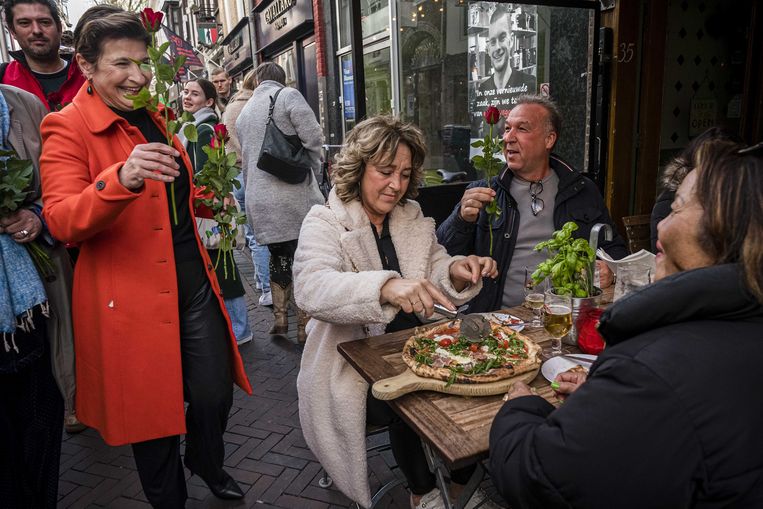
[(625, 52)]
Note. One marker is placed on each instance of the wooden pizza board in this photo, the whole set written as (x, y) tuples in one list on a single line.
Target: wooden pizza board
[(408, 381)]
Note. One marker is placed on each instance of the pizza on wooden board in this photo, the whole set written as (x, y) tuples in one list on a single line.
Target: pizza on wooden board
[(440, 352)]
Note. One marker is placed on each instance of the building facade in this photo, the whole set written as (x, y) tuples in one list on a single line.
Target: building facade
[(635, 80)]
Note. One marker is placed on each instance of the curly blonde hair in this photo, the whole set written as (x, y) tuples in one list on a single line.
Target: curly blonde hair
[(375, 140)]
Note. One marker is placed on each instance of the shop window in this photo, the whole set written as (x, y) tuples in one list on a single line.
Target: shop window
[(287, 60), (378, 81), (374, 15), (457, 58), (377, 70)]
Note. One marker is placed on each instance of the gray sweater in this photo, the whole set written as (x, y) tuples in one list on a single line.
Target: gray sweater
[(274, 208)]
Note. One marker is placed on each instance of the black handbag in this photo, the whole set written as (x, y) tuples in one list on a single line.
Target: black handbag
[(281, 155)]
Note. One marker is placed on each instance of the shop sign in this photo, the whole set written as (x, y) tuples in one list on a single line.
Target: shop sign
[(237, 51), (702, 115), (281, 17)]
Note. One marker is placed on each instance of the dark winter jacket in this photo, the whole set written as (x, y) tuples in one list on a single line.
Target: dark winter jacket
[(577, 199), (670, 415)]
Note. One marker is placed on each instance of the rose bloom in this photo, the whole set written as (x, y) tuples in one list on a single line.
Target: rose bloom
[(151, 19), (492, 115), (221, 132)]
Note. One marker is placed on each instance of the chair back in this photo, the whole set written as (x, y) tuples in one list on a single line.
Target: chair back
[(638, 232)]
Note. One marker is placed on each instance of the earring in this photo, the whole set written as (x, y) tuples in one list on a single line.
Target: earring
[(90, 86)]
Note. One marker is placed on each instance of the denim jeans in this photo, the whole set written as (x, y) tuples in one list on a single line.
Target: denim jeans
[(238, 316), (260, 254)]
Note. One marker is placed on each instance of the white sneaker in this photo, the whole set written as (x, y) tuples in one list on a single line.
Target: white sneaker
[(480, 497), (432, 500), (245, 339), (266, 299)]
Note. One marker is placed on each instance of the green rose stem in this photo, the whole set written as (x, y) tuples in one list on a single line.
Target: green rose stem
[(164, 75), (490, 164), (170, 136), (218, 177)]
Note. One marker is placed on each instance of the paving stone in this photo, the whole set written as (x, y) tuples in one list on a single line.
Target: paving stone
[(286, 461), (128, 503), (81, 478), (292, 501), (278, 486), (261, 467), (103, 489)]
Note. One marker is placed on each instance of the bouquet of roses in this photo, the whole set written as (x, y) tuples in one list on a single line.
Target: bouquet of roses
[(218, 179), (489, 164), (164, 77), (15, 178)]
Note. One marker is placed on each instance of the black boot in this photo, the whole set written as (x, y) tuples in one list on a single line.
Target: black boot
[(227, 488)]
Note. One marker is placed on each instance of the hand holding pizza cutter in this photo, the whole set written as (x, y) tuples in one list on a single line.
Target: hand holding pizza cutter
[(473, 327)]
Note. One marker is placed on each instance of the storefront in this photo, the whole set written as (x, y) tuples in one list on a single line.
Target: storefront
[(237, 53), (441, 63), (285, 35)]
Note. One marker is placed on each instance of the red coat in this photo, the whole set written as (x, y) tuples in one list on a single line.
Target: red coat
[(125, 300)]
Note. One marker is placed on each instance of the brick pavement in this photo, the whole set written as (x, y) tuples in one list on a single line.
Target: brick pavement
[(265, 450)]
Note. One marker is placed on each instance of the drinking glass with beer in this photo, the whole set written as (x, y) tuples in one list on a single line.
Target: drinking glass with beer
[(533, 297), (557, 320)]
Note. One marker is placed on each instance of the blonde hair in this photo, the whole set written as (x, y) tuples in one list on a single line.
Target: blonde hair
[(249, 82), (376, 140)]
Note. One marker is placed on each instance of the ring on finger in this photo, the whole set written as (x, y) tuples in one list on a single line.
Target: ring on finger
[(24, 233)]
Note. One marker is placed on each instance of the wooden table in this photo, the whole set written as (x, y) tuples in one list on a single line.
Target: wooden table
[(454, 429)]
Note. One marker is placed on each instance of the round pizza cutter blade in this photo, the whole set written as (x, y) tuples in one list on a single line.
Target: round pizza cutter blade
[(473, 327)]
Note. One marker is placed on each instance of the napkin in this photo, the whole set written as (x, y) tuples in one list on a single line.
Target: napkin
[(642, 257)]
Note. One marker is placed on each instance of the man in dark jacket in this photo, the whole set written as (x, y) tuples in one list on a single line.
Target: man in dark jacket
[(537, 193), (38, 67)]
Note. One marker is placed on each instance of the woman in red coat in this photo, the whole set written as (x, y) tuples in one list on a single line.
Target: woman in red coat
[(149, 320)]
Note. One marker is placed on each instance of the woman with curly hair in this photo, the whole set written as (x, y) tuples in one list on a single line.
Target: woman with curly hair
[(368, 262)]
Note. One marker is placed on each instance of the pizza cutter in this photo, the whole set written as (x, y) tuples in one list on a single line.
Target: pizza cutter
[(473, 327)]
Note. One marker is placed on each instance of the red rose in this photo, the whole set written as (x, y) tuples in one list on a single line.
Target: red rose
[(221, 132), (151, 19), (492, 115), (215, 143)]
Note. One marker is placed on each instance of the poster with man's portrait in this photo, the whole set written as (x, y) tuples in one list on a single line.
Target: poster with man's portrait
[(503, 58)]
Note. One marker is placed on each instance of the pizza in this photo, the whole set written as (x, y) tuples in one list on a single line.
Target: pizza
[(441, 352), (578, 369)]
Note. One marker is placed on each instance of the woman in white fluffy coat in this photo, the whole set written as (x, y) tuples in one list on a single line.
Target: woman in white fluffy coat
[(342, 282)]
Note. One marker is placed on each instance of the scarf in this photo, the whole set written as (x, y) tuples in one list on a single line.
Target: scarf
[(201, 116), (20, 286)]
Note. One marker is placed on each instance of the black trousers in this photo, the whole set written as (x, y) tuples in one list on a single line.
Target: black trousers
[(208, 389), (31, 423), (281, 261), (407, 449)]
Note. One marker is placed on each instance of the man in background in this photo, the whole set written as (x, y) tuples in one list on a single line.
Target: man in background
[(39, 67), (222, 82)]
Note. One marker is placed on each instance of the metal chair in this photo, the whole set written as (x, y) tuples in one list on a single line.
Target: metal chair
[(638, 232), (325, 481)]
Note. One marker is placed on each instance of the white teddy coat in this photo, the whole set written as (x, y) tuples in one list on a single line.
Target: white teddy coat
[(338, 277)]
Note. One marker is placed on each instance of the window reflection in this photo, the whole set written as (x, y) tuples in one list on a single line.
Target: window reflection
[(287, 60), (458, 57)]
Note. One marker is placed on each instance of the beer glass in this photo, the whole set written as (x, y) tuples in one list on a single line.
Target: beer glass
[(557, 320), (533, 297)]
